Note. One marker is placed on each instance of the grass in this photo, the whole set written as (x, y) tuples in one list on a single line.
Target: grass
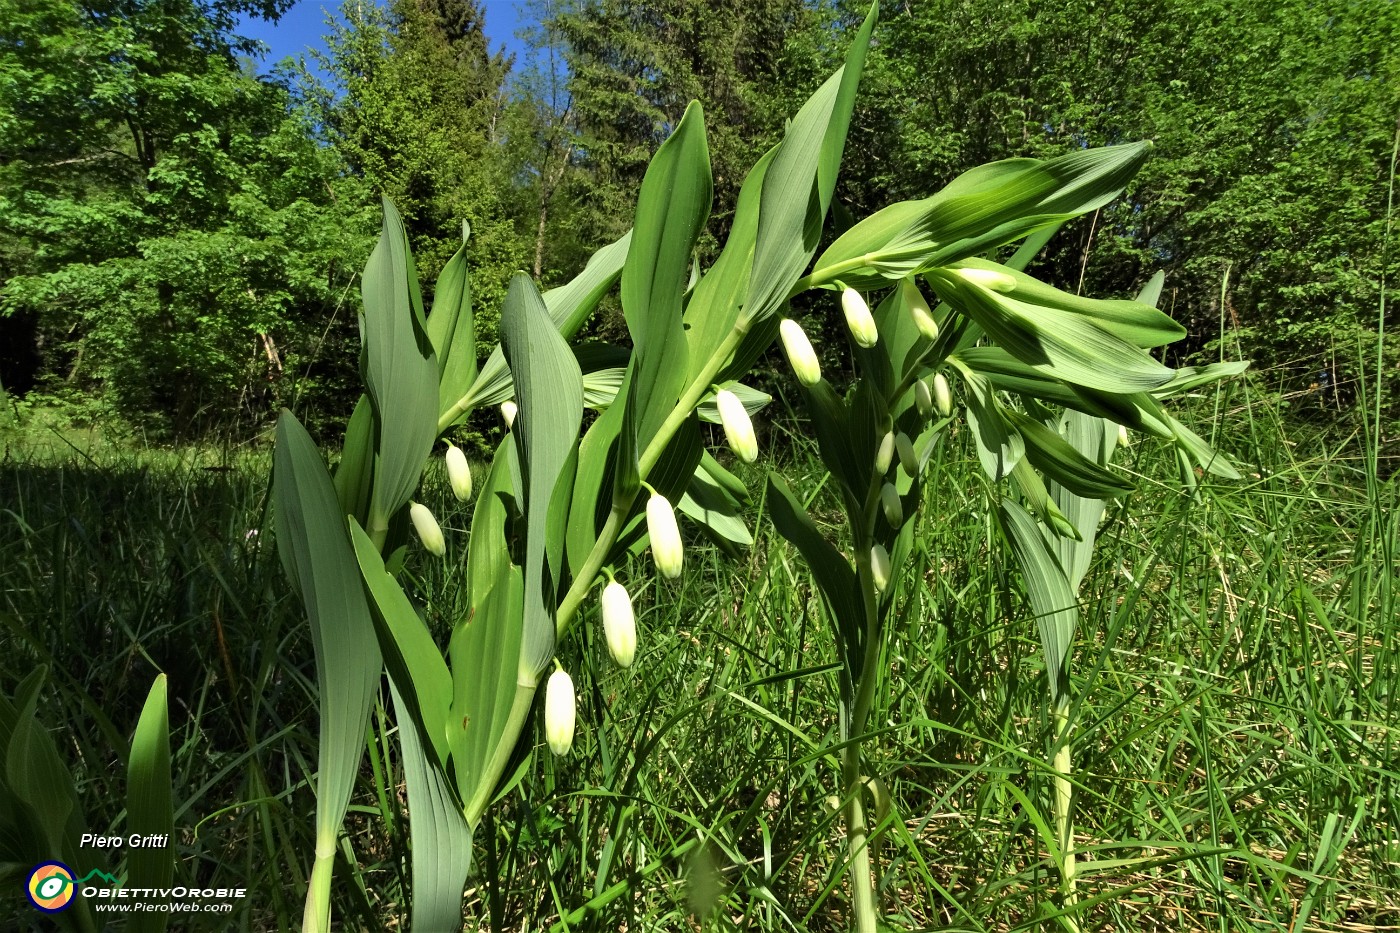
[(1235, 720)]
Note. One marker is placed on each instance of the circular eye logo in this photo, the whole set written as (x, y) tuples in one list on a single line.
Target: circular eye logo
[(50, 887)]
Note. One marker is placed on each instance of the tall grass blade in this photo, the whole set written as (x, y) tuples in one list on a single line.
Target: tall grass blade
[(149, 808)]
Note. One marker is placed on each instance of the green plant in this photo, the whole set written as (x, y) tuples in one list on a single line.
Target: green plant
[(1017, 346), (556, 508)]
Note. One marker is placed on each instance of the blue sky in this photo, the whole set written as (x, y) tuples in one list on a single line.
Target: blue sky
[(303, 25)]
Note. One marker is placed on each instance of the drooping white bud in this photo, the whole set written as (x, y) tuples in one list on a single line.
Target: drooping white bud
[(884, 454), (801, 357), (508, 411), (919, 309), (1123, 439), (923, 398), (737, 426), (894, 509), (427, 527), (619, 624), (942, 396), (666, 549), (990, 279), (459, 473), (880, 567), (559, 712), (908, 458), (858, 318)]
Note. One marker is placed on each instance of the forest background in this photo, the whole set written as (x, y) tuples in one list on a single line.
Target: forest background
[(180, 236)]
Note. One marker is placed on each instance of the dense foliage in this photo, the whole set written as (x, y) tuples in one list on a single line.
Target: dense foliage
[(178, 235)]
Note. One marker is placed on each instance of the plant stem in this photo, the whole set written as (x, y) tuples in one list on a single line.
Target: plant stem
[(622, 506), (500, 757), (1064, 800), (317, 916)]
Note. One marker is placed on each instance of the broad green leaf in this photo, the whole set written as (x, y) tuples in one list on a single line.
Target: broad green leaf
[(452, 329), (569, 306), (1037, 497), (711, 507), (1132, 321), (414, 661), (1151, 293), (489, 548), (354, 475), (753, 400), (1189, 377), (1058, 460), (799, 182), (999, 446), (1055, 342), (316, 553), (840, 450), (549, 390), (717, 299), (149, 808), (981, 209), (672, 207), (834, 575), (400, 372), (487, 670), (590, 506), (1093, 439), (1053, 602), (440, 841), (37, 776)]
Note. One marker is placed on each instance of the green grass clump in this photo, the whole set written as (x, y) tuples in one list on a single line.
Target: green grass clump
[(1235, 681)]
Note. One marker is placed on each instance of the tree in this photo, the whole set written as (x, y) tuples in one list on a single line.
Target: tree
[(1273, 125), (414, 113), (168, 231)]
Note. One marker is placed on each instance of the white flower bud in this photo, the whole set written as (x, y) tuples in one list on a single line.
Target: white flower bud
[(894, 509), (801, 357), (666, 549), (942, 396), (858, 318), (459, 474), (559, 712), (508, 411), (880, 567), (919, 309), (737, 426), (923, 398), (619, 624), (908, 458), (884, 455), (427, 527), (1123, 439), (990, 279)]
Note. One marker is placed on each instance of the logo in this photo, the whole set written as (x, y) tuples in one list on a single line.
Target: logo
[(51, 887)]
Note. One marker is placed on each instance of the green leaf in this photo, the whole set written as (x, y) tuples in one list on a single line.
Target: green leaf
[(999, 446), (414, 661), (1053, 341), (487, 669), (1093, 439), (316, 553), (354, 475), (1189, 377), (1058, 460), (452, 329), (569, 306), (400, 372), (672, 207), (37, 776), (798, 185), (549, 390), (149, 808), (1033, 490), (711, 507), (1053, 602), (440, 840), (834, 575), (980, 209)]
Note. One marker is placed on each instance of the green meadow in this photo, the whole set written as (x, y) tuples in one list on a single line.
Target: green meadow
[(1235, 675)]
